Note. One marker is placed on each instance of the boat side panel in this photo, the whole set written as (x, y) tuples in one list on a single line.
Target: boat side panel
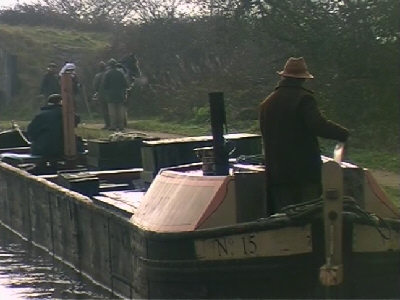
[(230, 268), (93, 244), (99, 243), (374, 275), (65, 228), (234, 279), (4, 203), (270, 243), (121, 254), (242, 265), (18, 205), (41, 221), (375, 239), (14, 204)]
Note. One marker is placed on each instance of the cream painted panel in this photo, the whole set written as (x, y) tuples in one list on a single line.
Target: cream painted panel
[(225, 214), (368, 239), (277, 242)]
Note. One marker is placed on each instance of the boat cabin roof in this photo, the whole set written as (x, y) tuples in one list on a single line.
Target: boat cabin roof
[(231, 136)]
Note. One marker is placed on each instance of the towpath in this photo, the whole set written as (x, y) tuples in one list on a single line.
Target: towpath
[(386, 178)]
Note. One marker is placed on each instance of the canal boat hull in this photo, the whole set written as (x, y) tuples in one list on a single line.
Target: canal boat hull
[(275, 257)]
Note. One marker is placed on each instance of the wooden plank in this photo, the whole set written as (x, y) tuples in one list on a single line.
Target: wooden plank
[(21, 150), (68, 107)]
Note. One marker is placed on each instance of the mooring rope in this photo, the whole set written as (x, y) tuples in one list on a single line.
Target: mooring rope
[(311, 208)]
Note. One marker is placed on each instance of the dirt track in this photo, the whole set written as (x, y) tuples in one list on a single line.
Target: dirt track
[(386, 178)]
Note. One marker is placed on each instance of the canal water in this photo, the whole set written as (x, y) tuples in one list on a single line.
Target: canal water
[(28, 272)]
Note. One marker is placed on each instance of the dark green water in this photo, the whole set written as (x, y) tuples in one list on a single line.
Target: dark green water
[(28, 272)]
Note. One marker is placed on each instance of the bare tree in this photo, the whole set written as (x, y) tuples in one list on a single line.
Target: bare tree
[(115, 11), (123, 11)]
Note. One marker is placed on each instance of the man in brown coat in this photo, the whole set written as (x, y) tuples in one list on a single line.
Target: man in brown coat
[(290, 123)]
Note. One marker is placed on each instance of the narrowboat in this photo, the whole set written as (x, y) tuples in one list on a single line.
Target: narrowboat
[(186, 223)]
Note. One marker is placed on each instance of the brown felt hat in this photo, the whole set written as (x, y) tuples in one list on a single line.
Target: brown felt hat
[(295, 67)]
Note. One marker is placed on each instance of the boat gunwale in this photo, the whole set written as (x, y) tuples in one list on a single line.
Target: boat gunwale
[(259, 225), (238, 228), (78, 198)]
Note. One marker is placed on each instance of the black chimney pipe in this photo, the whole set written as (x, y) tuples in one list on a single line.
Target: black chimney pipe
[(218, 120)]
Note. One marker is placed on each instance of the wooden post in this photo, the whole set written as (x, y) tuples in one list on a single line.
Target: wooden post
[(331, 274), (68, 108)]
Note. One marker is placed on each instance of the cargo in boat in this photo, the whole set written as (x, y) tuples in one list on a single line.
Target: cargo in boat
[(194, 236), (180, 227)]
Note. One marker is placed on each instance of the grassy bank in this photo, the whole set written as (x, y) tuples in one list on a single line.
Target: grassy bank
[(368, 158), (34, 47), (373, 159)]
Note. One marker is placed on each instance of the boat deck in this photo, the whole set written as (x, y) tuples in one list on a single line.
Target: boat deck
[(125, 202), (121, 202)]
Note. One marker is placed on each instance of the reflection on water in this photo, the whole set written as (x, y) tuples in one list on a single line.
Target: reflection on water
[(28, 272)]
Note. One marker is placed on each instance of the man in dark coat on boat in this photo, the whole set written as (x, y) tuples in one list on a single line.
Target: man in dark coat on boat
[(46, 129), (50, 82), (290, 123)]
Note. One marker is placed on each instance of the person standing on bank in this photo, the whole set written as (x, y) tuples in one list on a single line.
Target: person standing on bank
[(114, 86), (290, 123), (71, 69), (50, 83), (99, 93)]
